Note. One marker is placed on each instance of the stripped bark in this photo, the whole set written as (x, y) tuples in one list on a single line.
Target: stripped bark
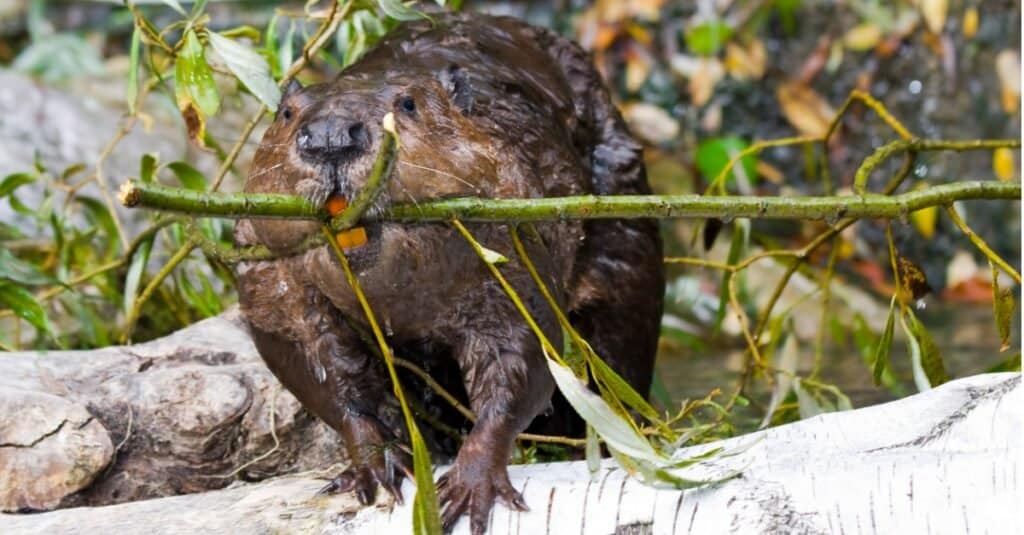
[(941, 461)]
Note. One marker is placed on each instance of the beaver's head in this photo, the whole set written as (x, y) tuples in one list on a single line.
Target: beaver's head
[(325, 138)]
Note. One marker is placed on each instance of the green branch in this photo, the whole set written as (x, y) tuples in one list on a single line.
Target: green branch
[(860, 178), (238, 205)]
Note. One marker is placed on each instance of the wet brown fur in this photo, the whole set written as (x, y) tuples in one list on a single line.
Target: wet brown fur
[(502, 110)]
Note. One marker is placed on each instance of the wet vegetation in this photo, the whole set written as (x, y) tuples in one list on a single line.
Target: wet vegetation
[(767, 320)]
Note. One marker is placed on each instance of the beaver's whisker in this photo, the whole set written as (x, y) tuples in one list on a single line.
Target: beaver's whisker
[(406, 190), (265, 171), (440, 172)]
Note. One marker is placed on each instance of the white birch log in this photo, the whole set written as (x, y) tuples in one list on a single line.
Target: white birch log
[(944, 461)]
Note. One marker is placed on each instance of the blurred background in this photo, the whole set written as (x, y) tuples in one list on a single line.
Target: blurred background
[(697, 81)]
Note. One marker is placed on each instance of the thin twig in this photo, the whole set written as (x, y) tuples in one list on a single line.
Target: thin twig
[(136, 309), (980, 243)]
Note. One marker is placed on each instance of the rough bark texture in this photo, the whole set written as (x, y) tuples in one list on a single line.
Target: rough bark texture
[(172, 416), (943, 461)]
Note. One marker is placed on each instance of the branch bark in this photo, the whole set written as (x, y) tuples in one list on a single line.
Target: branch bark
[(238, 205)]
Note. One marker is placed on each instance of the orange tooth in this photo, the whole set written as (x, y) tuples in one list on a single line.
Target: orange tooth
[(351, 238), (336, 205)]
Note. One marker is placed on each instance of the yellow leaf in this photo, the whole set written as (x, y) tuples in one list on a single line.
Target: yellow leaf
[(924, 221), (702, 83), (863, 37), (804, 108), (637, 69), (646, 9), (970, 24), (1008, 70), (925, 218), (746, 63), (1003, 164), (934, 13), (639, 34), (770, 173)]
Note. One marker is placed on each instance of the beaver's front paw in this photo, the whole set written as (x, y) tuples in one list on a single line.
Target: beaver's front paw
[(374, 461), (473, 484)]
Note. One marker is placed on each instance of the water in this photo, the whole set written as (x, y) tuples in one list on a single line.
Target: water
[(965, 334)]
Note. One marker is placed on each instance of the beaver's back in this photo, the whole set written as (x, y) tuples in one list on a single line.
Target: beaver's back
[(534, 93)]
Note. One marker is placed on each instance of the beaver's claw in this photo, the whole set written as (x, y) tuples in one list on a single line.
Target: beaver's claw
[(383, 468), (475, 488)]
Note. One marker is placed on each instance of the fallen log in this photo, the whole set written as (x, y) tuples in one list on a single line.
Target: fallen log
[(190, 412), (943, 461)]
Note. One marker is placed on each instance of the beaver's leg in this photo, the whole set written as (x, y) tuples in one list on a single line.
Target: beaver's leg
[(321, 360), (508, 384), (617, 305)]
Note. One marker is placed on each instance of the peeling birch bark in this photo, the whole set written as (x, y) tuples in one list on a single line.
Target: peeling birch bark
[(944, 461)]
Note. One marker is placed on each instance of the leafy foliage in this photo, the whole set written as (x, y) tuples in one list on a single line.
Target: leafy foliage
[(75, 281)]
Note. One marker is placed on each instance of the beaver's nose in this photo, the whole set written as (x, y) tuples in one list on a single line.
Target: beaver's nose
[(332, 139)]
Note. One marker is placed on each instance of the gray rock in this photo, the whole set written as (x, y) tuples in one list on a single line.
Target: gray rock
[(187, 413)]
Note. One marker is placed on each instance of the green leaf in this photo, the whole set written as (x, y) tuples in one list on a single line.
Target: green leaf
[(270, 47), (737, 247), (809, 406), (251, 68), (931, 356), (246, 31), (72, 170), (789, 357), (176, 6), (132, 91), (864, 338), (881, 353), (400, 11), (1011, 364), (593, 451), (193, 78), (715, 153), (572, 354), (25, 306), (612, 427), (14, 181), (97, 213), (1003, 305), (929, 370), (10, 232), (20, 207), (787, 14), (135, 270), (620, 388), (286, 52), (92, 328), (492, 257), (188, 176), (197, 8), (14, 269), (147, 167), (426, 512), (708, 38)]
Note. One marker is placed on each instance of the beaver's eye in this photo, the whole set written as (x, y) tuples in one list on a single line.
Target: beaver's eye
[(408, 105), (287, 114)]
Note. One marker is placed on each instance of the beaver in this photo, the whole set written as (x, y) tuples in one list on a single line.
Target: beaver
[(484, 107)]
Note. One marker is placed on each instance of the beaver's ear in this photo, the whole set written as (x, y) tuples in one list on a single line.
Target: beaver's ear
[(293, 87), (456, 82)]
